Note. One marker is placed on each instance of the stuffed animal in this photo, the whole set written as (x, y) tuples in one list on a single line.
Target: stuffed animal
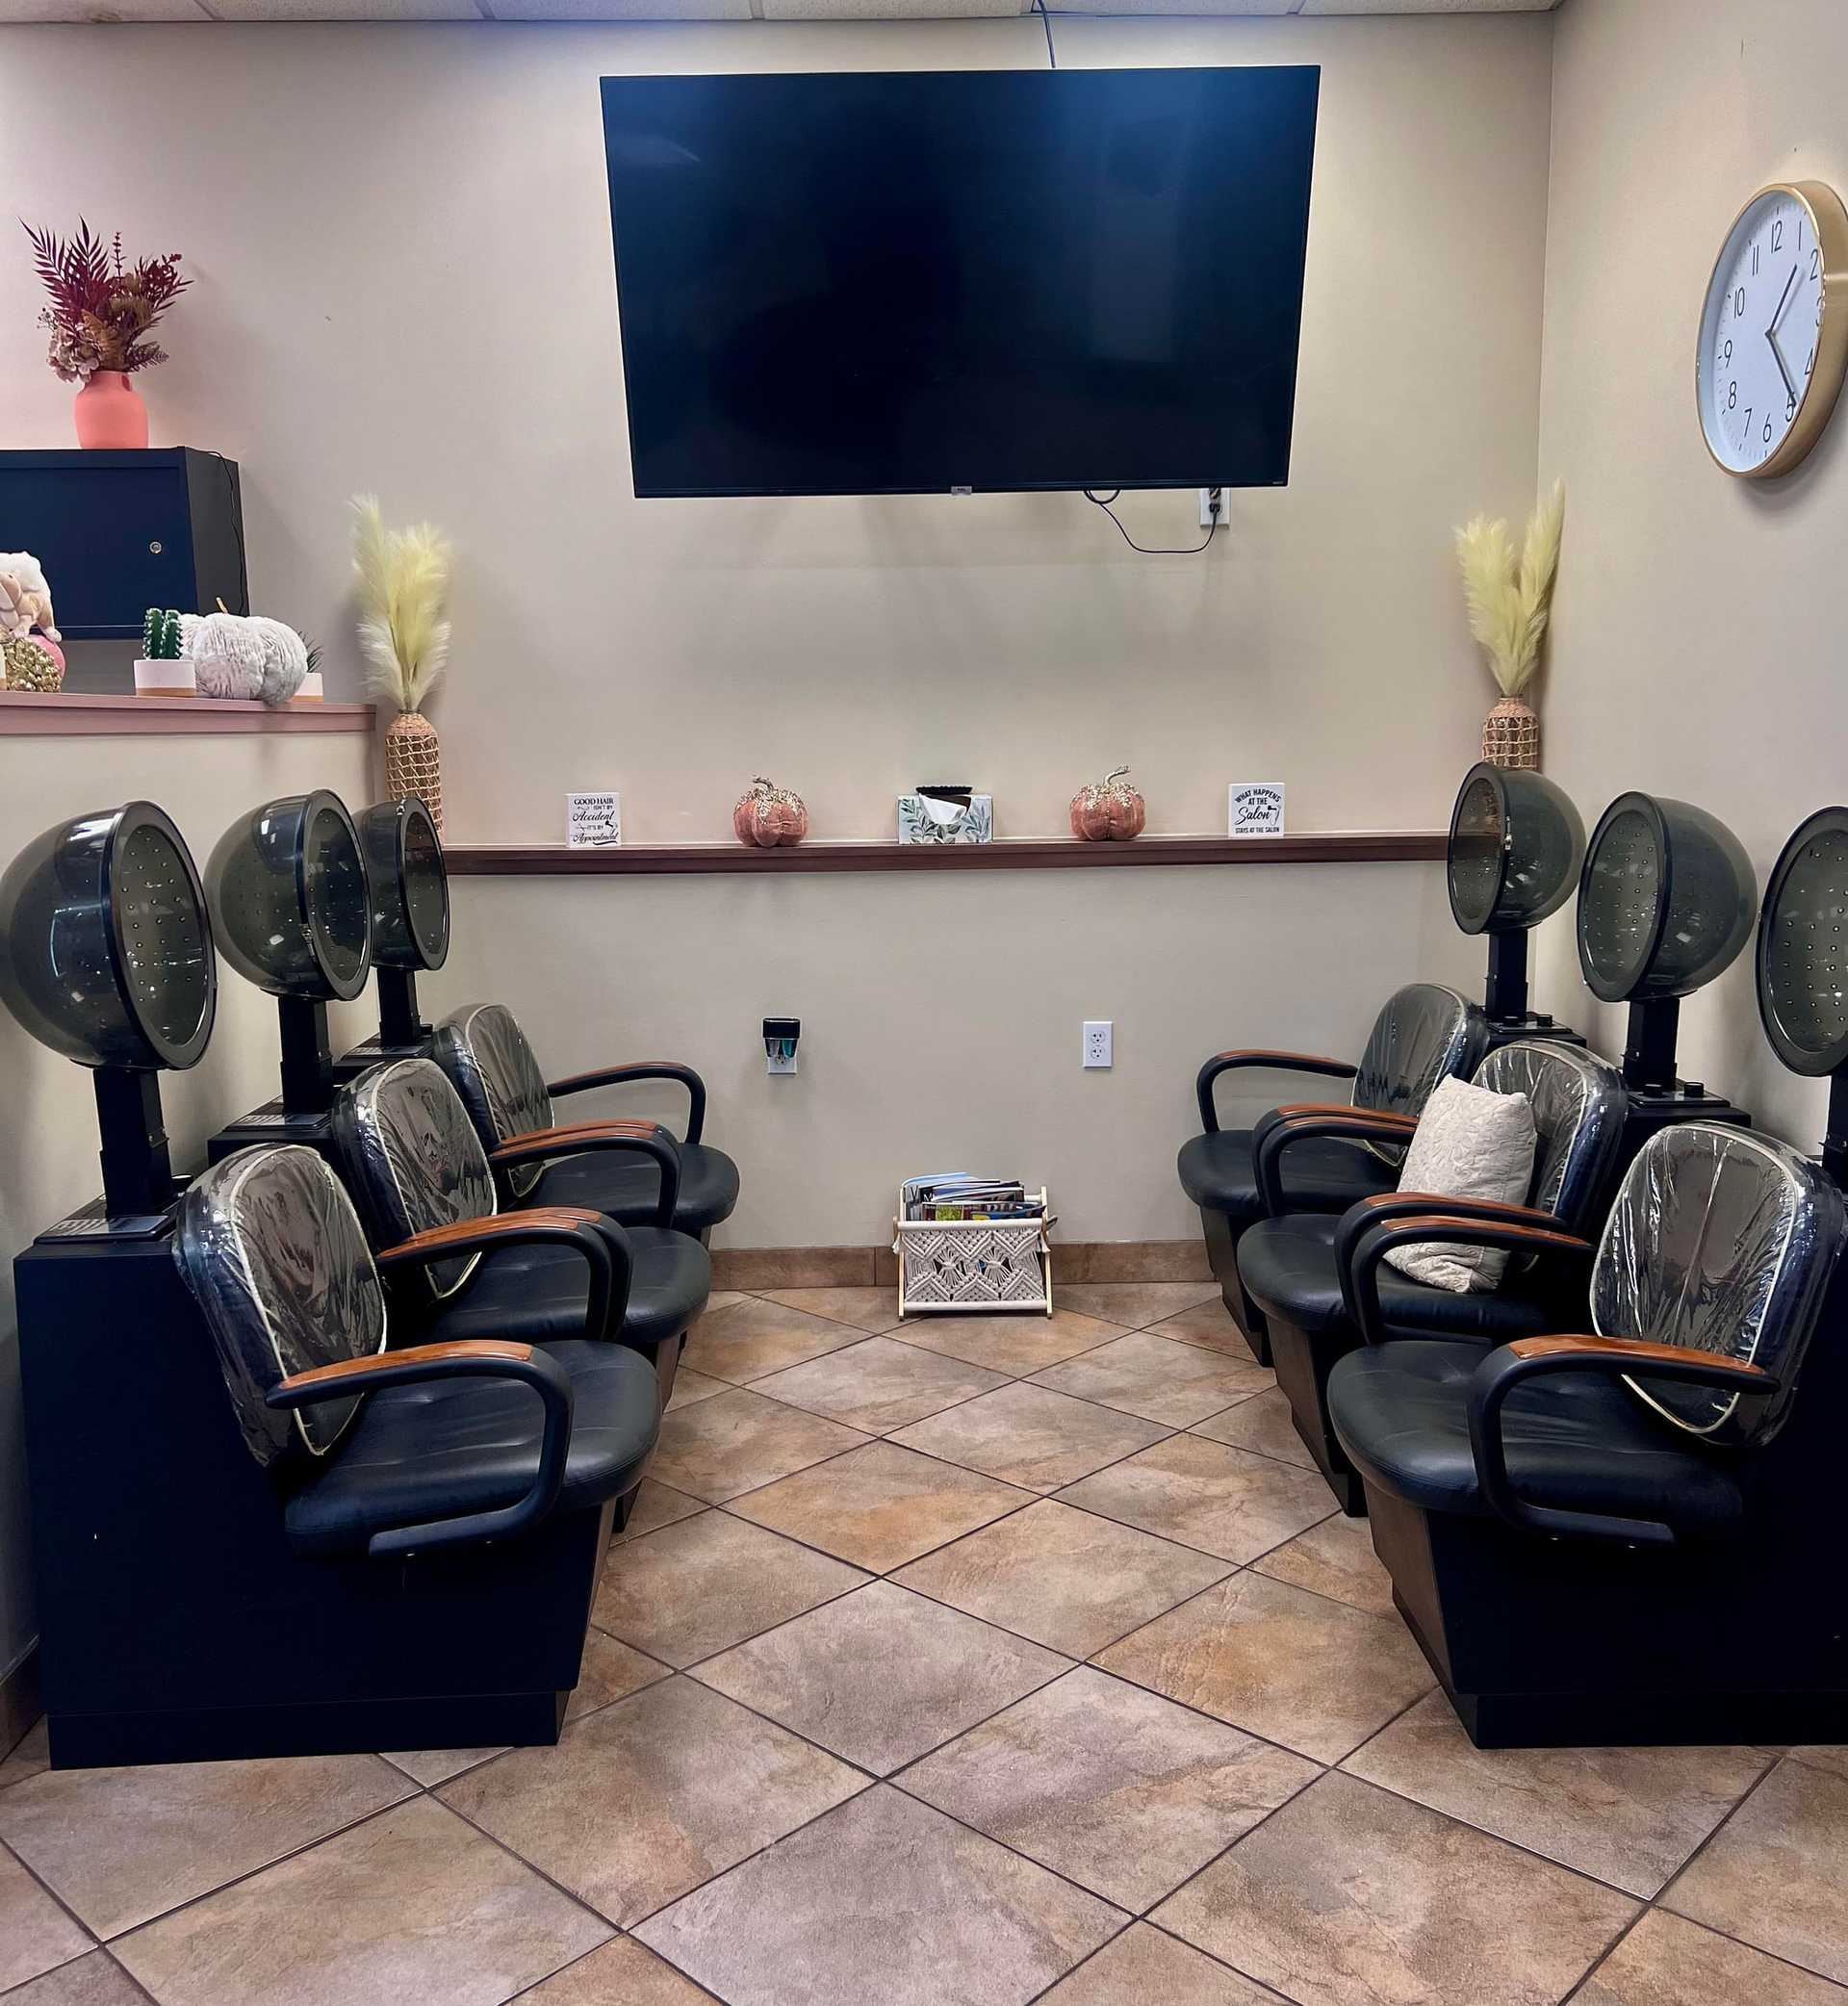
[(25, 598)]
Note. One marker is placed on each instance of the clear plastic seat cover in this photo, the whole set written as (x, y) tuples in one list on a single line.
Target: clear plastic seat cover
[(1424, 1034), (415, 1161), (273, 1254), (485, 1053), (1721, 1241), (1578, 1108)]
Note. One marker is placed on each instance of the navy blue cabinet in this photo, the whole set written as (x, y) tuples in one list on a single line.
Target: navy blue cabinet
[(119, 533)]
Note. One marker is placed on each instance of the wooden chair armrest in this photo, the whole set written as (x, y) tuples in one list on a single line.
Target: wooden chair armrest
[(1638, 1351), (344, 1371)]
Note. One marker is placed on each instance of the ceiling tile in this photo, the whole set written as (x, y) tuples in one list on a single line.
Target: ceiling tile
[(99, 10), (886, 10), (1176, 6), (621, 9), (343, 10), (1336, 7)]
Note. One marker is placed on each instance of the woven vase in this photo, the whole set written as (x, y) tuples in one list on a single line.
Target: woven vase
[(1511, 735), (414, 763)]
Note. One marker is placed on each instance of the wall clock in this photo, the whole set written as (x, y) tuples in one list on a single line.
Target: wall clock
[(1774, 335)]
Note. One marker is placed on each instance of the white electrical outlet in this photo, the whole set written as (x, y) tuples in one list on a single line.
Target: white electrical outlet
[(1212, 506), (1096, 1045)]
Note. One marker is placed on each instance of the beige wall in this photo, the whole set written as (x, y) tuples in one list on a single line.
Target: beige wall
[(1698, 644), (48, 1143)]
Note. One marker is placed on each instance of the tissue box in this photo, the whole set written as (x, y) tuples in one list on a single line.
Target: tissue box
[(975, 825)]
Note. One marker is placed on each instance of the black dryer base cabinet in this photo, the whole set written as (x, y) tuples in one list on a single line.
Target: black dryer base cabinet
[(178, 1623)]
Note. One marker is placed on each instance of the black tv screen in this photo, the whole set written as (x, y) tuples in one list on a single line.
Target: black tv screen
[(859, 283)]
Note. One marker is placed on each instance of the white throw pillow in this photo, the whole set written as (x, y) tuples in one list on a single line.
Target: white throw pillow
[(1468, 1144)]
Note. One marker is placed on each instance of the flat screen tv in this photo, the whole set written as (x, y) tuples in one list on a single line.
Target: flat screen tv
[(859, 283)]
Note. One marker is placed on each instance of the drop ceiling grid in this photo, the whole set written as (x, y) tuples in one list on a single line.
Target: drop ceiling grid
[(101, 11)]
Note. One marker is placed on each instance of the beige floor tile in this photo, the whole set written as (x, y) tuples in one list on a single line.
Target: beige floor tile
[(1157, 1378), (1015, 1345), (1263, 1425), (610, 1671), (95, 1980), (881, 1506), (433, 1765), (1349, 1897), (724, 1447), (866, 1309), (31, 1753), (877, 1386), (753, 1337), (1336, 1558), (1143, 1967), (691, 1387), (825, 1920), (1832, 1760), (708, 1582), (120, 1846), (648, 1798), (1031, 1436), (1114, 1788), (1065, 1579), (1224, 1501), (1776, 1875), (1667, 1962), (622, 1973), (1210, 1324), (1628, 1815), (1315, 1675), (410, 1905), (656, 1506), (35, 1932), (882, 1675), (1134, 1305)]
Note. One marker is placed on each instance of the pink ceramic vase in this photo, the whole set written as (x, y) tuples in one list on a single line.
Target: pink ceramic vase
[(111, 416)]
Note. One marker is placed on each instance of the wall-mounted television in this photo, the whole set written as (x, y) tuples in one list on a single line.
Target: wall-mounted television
[(870, 283)]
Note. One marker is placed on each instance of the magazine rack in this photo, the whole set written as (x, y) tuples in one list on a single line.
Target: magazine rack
[(948, 1265)]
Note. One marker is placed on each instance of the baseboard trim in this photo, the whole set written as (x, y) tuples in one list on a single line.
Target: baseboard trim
[(21, 1701), (753, 1268)]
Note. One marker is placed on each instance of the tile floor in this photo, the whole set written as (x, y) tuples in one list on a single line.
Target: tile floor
[(968, 1663)]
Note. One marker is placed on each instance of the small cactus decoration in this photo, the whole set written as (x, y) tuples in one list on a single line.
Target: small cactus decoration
[(161, 638)]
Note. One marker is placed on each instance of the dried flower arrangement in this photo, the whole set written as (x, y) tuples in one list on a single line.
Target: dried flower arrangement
[(1510, 599), (403, 577), (102, 309)]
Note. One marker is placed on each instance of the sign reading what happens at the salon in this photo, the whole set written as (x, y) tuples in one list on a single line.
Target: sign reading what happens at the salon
[(1254, 807)]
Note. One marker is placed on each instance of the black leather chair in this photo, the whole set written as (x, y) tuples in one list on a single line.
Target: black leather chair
[(1318, 1302), (422, 1181), (487, 1058), (1423, 1034), (1634, 1535)]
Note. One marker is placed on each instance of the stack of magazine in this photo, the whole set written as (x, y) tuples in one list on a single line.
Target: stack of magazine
[(955, 1196)]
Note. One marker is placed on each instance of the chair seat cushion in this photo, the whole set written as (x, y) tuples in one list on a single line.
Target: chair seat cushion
[(1288, 1266), (1321, 1175), (536, 1295), (417, 1453), (1574, 1440), (628, 1187)]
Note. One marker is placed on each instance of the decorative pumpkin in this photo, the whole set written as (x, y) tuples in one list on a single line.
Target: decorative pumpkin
[(226, 654), (1109, 811), (30, 662), (770, 817)]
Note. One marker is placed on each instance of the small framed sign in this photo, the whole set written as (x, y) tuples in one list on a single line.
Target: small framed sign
[(593, 821), (1254, 807)]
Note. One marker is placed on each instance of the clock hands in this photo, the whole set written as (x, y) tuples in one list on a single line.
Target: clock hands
[(1771, 332)]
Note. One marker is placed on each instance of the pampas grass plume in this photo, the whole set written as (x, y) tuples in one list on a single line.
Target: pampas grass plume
[(1510, 596), (403, 581)]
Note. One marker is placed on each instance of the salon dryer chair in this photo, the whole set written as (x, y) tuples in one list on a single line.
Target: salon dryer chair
[(419, 1178), (408, 887), (486, 1056), (1320, 1300), (1632, 1537), (1423, 1034)]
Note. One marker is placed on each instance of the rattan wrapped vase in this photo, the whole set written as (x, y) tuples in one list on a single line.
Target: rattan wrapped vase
[(1511, 735), (414, 763)]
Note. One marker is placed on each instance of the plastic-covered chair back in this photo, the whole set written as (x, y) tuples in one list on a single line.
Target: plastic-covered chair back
[(414, 1162), (1722, 1240), (1579, 1110), (490, 1063), (1424, 1034), (273, 1254)]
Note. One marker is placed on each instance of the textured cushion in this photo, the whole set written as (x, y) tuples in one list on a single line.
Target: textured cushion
[(1469, 1144), (456, 1445), (537, 1295), (628, 1187), (1323, 1176), (1574, 1440), (1287, 1267)]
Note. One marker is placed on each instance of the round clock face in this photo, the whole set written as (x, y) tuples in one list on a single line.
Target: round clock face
[(1773, 340)]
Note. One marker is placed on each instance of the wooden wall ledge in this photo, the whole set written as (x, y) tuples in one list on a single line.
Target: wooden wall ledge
[(26, 713), (695, 860)]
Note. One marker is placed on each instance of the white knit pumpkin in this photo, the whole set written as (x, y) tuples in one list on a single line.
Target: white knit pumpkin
[(226, 651), (285, 659)]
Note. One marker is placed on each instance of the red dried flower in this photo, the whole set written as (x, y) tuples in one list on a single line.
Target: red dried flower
[(101, 309)]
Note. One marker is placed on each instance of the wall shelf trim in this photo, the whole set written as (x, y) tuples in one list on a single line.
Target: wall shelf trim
[(38, 715), (697, 859)]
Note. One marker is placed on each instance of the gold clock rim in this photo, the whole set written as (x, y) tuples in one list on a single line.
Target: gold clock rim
[(1829, 218)]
